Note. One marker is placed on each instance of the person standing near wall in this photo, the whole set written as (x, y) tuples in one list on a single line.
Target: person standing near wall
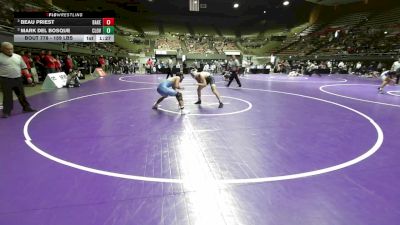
[(396, 69), (11, 65), (234, 66)]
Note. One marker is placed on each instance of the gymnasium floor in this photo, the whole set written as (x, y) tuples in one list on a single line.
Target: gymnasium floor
[(282, 151)]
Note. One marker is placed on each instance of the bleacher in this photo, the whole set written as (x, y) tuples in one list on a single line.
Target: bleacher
[(375, 35), (310, 29), (199, 44), (387, 18), (355, 33), (286, 47), (168, 42), (350, 20), (359, 33), (224, 44)]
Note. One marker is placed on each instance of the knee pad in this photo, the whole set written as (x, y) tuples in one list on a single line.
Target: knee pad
[(179, 96)]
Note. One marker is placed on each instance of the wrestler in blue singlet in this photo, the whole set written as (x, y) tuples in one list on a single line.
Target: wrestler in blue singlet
[(165, 88)]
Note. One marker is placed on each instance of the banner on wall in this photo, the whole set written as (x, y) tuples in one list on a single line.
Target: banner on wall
[(232, 52), (55, 80)]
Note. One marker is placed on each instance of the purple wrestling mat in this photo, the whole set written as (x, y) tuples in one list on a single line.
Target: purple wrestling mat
[(283, 150)]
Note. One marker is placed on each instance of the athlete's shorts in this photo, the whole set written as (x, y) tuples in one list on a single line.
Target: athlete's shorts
[(210, 80), (165, 91), (389, 75)]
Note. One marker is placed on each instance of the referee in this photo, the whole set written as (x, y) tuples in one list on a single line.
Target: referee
[(10, 79), (234, 66)]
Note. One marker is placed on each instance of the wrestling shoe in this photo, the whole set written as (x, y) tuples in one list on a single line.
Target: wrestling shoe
[(155, 106)]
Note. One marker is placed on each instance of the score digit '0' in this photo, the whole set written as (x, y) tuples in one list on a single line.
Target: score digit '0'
[(108, 21)]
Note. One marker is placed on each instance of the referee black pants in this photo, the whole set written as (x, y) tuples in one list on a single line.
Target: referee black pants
[(169, 73), (8, 85), (234, 76)]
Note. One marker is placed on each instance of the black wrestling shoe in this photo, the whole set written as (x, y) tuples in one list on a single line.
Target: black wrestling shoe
[(198, 102), (155, 106), (221, 105)]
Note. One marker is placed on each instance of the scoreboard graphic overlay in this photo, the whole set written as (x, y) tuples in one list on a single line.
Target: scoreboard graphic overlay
[(64, 27)]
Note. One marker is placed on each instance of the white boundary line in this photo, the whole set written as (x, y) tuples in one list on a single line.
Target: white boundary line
[(358, 99), (394, 93), (213, 114), (358, 159), (158, 78), (296, 81), (132, 81)]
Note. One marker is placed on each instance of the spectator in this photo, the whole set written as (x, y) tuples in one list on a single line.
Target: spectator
[(69, 64), (57, 64), (50, 63), (27, 75), (102, 62), (396, 68)]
